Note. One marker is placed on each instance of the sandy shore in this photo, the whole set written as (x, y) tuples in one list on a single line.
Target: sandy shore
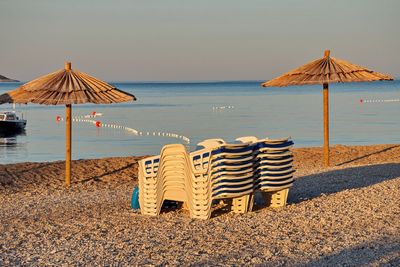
[(346, 215)]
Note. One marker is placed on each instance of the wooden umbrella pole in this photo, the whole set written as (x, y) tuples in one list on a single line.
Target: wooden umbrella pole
[(326, 125), (68, 145), (68, 136)]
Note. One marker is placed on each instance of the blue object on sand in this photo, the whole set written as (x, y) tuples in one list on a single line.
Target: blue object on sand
[(135, 199)]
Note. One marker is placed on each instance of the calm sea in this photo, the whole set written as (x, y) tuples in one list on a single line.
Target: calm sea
[(189, 109)]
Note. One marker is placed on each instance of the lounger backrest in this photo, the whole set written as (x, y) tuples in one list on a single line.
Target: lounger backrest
[(247, 139), (151, 165)]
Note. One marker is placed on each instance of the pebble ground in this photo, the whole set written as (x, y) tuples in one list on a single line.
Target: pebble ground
[(347, 215)]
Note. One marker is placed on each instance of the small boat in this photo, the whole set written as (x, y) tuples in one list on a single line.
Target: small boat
[(11, 123)]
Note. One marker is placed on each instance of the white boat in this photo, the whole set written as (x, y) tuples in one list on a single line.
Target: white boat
[(11, 123)]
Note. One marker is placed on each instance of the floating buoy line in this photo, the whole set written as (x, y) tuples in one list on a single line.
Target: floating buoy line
[(90, 119), (223, 107), (379, 100)]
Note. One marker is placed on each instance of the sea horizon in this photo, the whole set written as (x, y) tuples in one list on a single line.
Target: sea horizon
[(395, 78)]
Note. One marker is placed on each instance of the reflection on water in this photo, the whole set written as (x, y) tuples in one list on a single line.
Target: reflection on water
[(8, 141), (10, 146), (11, 134)]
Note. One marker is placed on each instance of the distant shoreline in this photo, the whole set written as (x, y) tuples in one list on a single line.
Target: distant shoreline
[(9, 81), (5, 79)]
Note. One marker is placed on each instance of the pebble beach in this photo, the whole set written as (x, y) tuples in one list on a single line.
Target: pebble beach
[(347, 215)]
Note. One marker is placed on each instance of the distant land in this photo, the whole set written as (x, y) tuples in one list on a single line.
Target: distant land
[(5, 79)]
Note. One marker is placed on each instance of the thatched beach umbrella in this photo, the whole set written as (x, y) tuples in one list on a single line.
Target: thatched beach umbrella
[(324, 71), (66, 87)]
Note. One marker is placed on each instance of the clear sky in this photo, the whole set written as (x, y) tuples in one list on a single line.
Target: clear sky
[(146, 40)]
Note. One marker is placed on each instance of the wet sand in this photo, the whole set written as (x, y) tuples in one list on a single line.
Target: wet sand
[(348, 214)]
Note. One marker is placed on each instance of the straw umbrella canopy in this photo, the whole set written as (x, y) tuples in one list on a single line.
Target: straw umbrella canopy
[(324, 71), (66, 87)]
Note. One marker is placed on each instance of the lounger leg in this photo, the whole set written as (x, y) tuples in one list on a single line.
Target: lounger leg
[(242, 204), (276, 199)]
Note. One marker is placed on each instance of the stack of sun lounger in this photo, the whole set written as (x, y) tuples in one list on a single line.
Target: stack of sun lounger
[(217, 171), (274, 169), (229, 169), (165, 177)]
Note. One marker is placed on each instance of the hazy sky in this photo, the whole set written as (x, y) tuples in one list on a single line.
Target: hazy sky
[(194, 40)]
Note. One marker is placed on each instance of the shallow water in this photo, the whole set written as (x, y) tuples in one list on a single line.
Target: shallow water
[(187, 109)]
